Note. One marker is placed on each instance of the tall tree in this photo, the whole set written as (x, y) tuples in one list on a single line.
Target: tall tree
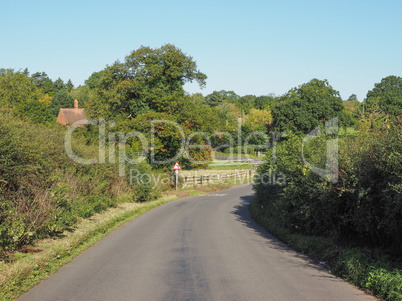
[(263, 102), (69, 86), (147, 79), (246, 103), (386, 96), (302, 109), (352, 97), (58, 85), (228, 96), (214, 99), (198, 98), (61, 100), (22, 96), (39, 79)]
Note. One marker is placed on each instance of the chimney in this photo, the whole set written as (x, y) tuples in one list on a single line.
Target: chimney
[(76, 104)]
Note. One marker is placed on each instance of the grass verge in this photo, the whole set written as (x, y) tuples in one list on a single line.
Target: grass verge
[(236, 155), (369, 270), (231, 166), (46, 256)]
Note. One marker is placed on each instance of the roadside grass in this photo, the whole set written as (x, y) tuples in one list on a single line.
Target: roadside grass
[(27, 268), (236, 155), (48, 255), (374, 273), (231, 166)]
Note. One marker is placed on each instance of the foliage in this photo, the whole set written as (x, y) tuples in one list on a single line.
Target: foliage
[(214, 99), (264, 102), (83, 94), (245, 103), (198, 98), (149, 79), (303, 108), (145, 183), (366, 269), (162, 128), (352, 97), (42, 191), (259, 119), (363, 206), (59, 85), (61, 100), (386, 96), (94, 80), (228, 96), (20, 94), (352, 110), (373, 274), (69, 86)]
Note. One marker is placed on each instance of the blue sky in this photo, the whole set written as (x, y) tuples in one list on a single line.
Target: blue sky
[(250, 47)]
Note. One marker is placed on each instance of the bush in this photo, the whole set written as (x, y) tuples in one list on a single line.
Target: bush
[(146, 182), (367, 269), (42, 191), (375, 275), (363, 207)]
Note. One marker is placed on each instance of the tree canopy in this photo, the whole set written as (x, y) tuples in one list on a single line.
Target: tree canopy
[(148, 79), (214, 99), (386, 96), (303, 108)]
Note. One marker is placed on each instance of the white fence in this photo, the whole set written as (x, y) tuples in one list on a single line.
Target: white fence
[(242, 176)]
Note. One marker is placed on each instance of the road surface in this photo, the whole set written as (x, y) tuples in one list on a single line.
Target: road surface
[(204, 247)]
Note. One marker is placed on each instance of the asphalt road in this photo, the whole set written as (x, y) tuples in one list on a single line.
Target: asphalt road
[(205, 247)]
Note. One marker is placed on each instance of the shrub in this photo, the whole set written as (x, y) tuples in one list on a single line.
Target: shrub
[(363, 207), (42, 191)]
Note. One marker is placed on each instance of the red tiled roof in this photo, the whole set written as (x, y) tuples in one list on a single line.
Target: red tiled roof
[(72, 116)]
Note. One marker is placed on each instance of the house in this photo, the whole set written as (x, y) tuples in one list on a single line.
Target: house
[(72, 116)]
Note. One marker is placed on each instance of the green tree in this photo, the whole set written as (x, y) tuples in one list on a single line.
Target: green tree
[(352, 108), (18, 93), (42, 81), (386, 96), (95, 78), (148, 79), (352, 97), (39, 79), (263, 102), (228, 96), (198, 98), (303, 108), (259, 119), (48, 87), (214, 99), (246, 103), (16, 89), (58, 85), (82, 94), (69, 86), (61, 100)]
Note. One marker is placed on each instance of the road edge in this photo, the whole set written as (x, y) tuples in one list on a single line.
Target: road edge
[(47, 256)]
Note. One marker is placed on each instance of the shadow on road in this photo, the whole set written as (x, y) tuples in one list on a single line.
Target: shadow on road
[(243, 215)]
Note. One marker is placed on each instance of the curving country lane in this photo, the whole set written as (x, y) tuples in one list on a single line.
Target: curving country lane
[(204, 247)]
